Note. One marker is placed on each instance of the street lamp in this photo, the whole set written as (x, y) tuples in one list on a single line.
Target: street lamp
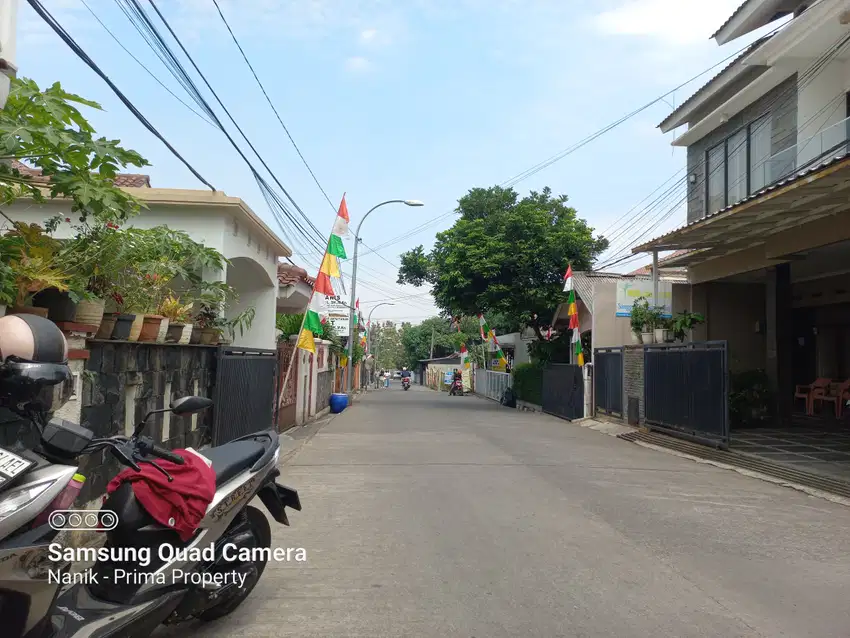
[(351, 319)]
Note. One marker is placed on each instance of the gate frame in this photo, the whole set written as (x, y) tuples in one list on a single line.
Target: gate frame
[(694, 435), (224, 351), (550, 367), (595, 372)]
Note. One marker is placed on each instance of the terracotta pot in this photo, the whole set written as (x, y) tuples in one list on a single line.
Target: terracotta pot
[(90, 313), (188, 331), (107, 325), (163, 330), (136, 328), (27, 310), (195, 336), (209, 336), (150, 328), (174, 332), (123, 327)]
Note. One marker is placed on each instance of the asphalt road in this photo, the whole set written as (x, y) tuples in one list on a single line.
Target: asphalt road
[(436, 516)]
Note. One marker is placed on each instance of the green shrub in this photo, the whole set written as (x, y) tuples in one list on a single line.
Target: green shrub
[(528, 382)]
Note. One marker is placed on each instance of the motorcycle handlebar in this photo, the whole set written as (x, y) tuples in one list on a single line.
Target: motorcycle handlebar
[(168, 455)]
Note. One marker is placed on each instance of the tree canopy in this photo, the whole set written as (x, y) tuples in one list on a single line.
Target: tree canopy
[(505, 255), (416, 340)]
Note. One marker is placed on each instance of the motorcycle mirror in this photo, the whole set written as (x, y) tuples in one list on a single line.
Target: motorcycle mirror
[(190, 405)]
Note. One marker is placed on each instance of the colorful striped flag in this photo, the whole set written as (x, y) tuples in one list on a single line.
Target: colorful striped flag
[(572, 313), (568, 279), (487, 334), (464, 357), (323, 288)]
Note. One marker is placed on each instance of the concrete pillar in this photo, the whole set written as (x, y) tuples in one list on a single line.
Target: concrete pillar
[(780, 334)]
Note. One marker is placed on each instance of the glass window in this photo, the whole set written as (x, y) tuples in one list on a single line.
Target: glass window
[(736, 162), (760, 131), (716, 178)]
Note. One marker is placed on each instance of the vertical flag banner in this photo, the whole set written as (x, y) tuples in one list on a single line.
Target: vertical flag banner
[(572, 313), (488, 335), (568, 279), (323, 288)]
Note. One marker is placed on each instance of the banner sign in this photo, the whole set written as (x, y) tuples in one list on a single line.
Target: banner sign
[(628, 291), (339, 315)]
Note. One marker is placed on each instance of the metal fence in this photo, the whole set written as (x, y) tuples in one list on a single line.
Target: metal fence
[(608, 380), (686, 390), (492, 384), (245, 392), (563, 391)]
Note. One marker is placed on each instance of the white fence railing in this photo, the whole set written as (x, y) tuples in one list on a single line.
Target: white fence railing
[(491, 384)]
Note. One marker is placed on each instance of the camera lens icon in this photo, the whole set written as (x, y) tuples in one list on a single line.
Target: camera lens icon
[(82, 520)]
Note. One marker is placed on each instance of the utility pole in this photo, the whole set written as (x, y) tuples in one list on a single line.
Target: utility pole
[(8, 37), (433, 331)]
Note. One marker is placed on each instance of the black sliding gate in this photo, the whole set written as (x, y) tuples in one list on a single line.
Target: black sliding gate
[(686, 390), (245, 392), (608, 380), (563, 391)]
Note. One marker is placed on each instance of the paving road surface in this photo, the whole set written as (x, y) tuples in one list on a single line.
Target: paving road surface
[(436, 516)]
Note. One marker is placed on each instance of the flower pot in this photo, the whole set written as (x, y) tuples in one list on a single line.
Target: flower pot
[(90, 313), (636, 338), (659, 335), (58, 304), (667, 336), (27, 310), (150, 328), (163, 330), (209, 336), (123, 327), (195, 336), (188, 331), (107, 325), (648, 337), (174, 332), (136, 328)]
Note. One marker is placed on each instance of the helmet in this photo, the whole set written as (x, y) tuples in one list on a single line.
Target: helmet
[(404, 368), (34, 373)]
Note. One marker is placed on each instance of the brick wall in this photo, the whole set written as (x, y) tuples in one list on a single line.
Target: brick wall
[(781, 102), (124, 381), (633, 378)]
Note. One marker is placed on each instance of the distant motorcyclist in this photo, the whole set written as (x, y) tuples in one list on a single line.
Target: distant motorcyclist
[(405, 373), (457, 383)]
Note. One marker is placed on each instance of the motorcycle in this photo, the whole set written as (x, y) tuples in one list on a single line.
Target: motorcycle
[(204, 578), (456, 388), (405, 383)]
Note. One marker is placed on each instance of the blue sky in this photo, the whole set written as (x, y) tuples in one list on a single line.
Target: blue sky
[(420, 99)]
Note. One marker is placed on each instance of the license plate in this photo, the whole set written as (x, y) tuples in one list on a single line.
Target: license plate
[(11, 467)]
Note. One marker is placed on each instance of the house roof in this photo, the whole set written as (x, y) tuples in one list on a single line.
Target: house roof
[(734, 15), (291, 275), (721, 75), (647, 270), (752, 15), (122, 180)]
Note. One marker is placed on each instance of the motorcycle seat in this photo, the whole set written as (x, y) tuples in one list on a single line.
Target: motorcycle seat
[(231, 459)]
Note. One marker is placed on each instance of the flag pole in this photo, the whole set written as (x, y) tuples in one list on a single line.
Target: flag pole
[(306, 308)]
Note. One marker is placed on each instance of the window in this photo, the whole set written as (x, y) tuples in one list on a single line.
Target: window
[(760, 137), (739, 166)]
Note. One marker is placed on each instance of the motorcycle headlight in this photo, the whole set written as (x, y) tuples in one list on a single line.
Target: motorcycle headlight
[(14, 499)]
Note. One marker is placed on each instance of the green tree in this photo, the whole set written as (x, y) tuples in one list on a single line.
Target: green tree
[(386, 345), (416, 340), (505, 256), (46, 130)]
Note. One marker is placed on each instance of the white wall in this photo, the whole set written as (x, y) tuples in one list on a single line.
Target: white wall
[(816, 111), (8, 46)]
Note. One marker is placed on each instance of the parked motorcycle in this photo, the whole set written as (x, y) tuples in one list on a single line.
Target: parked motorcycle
[(180, 583), (405, 383)]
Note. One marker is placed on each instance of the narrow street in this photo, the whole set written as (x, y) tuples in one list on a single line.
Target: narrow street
[(426, 515)]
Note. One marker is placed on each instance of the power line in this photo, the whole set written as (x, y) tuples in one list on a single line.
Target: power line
[(80, 53)]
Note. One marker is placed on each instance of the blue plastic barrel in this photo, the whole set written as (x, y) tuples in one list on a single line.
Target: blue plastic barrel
[(339, 402)]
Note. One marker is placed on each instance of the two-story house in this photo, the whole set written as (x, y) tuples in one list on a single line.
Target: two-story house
[(768, 204)]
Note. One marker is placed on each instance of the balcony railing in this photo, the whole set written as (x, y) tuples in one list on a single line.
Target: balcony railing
[(831, 141)]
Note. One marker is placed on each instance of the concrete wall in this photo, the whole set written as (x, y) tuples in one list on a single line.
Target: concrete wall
[(633, 380), (608, 329), (781, 102), (733, 313)]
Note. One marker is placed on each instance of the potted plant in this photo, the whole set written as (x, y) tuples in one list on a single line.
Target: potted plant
[(32, 260), (684, 322), (637, 319), (661, 325), (177, 314)]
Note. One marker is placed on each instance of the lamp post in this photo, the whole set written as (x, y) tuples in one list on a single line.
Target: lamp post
[(351, 319), (369, 336)]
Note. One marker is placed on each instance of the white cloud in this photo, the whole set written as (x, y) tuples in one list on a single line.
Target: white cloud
[(357, 64), (672, 22), (368, 35)]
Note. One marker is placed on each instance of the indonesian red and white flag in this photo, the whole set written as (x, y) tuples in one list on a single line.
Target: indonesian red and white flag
[(568, 279)]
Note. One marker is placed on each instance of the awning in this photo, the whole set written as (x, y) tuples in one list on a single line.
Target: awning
[(812, 194)]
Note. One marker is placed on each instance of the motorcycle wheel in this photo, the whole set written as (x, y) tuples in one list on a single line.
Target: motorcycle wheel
[(259, 525)]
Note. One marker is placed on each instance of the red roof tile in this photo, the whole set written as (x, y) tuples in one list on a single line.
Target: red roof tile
[(122, 180), (290, 274)]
